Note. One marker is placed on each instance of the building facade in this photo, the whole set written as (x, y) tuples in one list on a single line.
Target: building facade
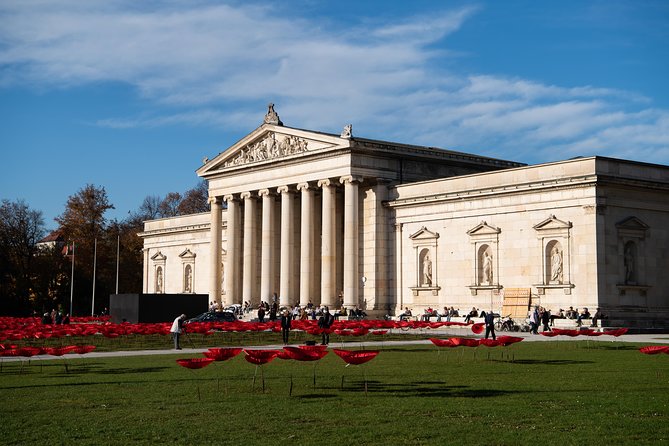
[(341, 220)]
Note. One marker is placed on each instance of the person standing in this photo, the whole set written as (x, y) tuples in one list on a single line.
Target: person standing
[(261, 313), (534, 321), (545, 319), (325, 322), (177, 327), (490, 325), (286, 320)]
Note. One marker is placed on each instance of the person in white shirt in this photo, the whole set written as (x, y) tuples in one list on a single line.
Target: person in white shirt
[(177, 327)]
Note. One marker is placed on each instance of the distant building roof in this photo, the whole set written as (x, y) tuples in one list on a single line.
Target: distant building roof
[(54, 236)]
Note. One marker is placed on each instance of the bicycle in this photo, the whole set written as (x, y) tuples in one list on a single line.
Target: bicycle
[(506, 324)]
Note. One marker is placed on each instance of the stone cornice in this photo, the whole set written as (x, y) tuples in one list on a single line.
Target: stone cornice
[(403, 149), (510, 189), (176, 230)]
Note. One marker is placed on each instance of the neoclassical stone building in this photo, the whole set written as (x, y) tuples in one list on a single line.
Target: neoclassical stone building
[(338, 219)]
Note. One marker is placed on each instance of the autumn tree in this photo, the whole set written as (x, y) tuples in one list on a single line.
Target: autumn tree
[(83, 222), (169, 207), (20, 229), (195, 200)]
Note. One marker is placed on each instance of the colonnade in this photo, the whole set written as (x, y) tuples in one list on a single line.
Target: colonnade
[(242, 243)]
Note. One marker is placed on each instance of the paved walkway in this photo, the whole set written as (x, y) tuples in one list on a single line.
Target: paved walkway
[(441, 333)]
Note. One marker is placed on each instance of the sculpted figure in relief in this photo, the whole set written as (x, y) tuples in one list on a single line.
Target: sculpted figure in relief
[(159, 280), (556, 265)]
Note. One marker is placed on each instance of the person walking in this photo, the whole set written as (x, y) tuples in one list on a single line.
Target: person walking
[(325, 322), (286, 320), (177, 327), (490, 324)]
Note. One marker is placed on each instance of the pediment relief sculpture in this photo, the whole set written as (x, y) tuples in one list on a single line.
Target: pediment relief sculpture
[(270, 147)]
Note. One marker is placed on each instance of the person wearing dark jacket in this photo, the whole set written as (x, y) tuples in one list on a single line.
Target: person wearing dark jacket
[(490, 325), (286, 320), (325, 322)]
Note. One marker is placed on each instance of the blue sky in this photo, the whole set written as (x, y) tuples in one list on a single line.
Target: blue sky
[(132, 95)]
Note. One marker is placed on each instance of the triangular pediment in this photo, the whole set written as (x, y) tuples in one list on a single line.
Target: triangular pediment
[(484, 228), (552, 223), (424, 234), (632, 223), (159, 256), (187, 254), (270, 143)]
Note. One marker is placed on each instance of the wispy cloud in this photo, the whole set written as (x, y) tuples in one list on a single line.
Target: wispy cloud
[(213, 63)]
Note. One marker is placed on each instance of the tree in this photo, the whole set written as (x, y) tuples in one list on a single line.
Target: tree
[(195, 200), (150, 208), (20, 230), (83, 222), (169, 207)]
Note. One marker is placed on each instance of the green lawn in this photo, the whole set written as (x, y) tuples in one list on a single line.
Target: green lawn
[(542, 392)]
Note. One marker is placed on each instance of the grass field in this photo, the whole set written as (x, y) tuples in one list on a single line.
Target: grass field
[(540, 392)]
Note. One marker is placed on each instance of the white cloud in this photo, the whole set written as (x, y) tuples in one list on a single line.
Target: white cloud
[(191, 62)]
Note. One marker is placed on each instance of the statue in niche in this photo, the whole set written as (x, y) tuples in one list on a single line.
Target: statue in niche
[(487, 268), (188, 280), (628, 261), (556, 265), (159, 280), (427, 270)]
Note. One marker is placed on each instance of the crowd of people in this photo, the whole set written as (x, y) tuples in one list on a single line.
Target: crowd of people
[(55, 317)]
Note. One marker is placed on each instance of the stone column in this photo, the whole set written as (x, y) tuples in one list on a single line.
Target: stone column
[(287, 244), (399, 293), (267, 254), (350, 240), (232, 258), (306, 243), (328, 248), (215, 249), (250, 225)]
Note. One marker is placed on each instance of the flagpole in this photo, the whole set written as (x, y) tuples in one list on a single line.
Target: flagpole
[(95, 258), (72, 283), (118, 251)]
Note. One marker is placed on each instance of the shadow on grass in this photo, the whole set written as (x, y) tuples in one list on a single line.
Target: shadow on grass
[(545, 361), (429, 389)]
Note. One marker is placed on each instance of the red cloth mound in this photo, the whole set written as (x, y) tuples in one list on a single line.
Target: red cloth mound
[(654, 349)]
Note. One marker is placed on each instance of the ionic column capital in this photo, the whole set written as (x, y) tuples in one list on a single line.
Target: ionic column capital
[(229, 198), (350, 179), (265, 192), (285, 189), (214, 200), (304, 186), (326, 183), (247, 196)]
